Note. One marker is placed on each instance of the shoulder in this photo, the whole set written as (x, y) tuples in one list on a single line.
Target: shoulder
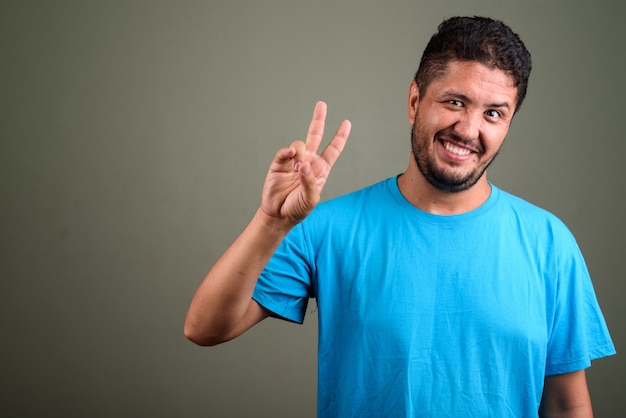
[(526, 209), (371, 197), (356, 210), (530, 217)]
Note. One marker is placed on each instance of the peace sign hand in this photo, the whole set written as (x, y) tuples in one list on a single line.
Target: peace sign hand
[(298, 174)]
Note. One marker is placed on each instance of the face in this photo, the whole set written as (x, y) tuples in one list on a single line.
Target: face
[(459, 124)]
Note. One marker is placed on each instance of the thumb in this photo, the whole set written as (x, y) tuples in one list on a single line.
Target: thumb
[(309, 184)]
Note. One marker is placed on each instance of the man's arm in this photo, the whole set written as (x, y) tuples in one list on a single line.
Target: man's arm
[(566, 396), (222, 307)]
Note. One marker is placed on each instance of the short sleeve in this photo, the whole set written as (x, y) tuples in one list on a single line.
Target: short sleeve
[(579, 333), (284, 286)]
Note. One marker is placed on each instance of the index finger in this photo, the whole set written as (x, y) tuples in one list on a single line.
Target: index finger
[(316, 128)]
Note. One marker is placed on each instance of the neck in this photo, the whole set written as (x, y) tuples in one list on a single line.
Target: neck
[(423, 195)]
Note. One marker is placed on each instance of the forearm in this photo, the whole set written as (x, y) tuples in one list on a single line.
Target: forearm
[(566, 396), (580, 412), (223, 297)]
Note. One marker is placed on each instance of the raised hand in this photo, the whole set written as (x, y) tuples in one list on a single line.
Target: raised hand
[(222, 307), (298, 173)]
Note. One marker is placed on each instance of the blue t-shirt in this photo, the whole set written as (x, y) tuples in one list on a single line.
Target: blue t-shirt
[(424, 315)]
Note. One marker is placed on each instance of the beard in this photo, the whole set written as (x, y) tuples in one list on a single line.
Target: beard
[(440, 177)]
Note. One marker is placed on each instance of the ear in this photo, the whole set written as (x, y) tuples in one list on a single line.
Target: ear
[(413, 101)]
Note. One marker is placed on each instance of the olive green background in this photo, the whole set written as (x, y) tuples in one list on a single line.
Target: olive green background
[(135, 136)]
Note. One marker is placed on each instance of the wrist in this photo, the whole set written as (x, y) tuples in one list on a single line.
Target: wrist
[(273, 225)]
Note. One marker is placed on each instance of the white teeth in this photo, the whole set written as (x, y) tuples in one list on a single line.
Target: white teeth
[(456, 150)]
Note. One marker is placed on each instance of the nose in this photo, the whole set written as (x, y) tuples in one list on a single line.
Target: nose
[(468, 125)]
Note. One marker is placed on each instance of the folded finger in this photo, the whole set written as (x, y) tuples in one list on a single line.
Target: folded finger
[(299, 153)]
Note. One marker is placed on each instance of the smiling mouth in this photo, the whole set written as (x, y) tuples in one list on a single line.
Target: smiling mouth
[(455, 149)]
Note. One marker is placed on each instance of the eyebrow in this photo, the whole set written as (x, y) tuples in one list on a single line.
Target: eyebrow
[(467, 99)]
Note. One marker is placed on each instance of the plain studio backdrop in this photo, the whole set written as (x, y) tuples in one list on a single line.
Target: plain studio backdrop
[(135, 137)]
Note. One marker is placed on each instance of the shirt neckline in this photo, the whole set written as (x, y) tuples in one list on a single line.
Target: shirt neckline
[(419, 214)]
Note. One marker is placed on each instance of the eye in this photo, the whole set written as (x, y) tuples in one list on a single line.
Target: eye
[(493, 113), (456, 103)]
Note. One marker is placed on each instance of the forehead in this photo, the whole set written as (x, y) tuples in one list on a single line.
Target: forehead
[(476, 81)]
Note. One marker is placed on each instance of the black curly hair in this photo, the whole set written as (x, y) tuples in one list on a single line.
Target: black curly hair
[(485, 40)]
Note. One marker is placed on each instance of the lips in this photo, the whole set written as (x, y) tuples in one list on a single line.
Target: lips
[(455, 149)]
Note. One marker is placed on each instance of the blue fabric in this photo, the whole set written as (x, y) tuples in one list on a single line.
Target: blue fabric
[(422, 315)]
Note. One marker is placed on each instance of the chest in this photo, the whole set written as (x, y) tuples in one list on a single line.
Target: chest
[(436, 286)]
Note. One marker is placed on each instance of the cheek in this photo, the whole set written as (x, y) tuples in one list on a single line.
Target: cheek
[(430, 122), (495, 140)]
